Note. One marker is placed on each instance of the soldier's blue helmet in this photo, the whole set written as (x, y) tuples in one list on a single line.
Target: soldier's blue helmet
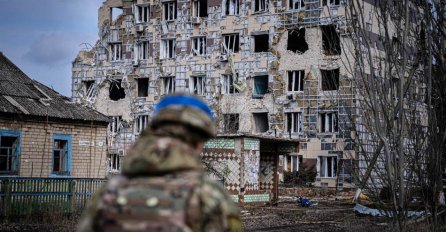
[(185, 109)]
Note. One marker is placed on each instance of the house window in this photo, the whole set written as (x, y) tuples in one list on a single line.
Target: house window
[(260, 85), (61, 162), (114, 163), (198, 84), (296, 41), (116, 91), (261, 43), (232, 7), (328, 122), (199, 8), (142, 14), (230, 123), (199, 46), (294, 122), (227, 84), (115, 51), (331, 43), (291, 163), (141, 122), (296, 4), (115, 125), (331, 2), (167, 49), (168, 85), (260, 122), (143, 50), (9, 152), (231, 43), (260, 5), (330, 79), (296, 80), (327, 166), (169, 11), (143, 87)]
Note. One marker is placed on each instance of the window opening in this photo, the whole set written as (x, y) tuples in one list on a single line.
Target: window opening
[(143, 87), (199, 46), (232, 7), (331, 2), (261, 43), (116, 91), (331, 43), (294, 122), (330, 79), (115, 125), (292, 163), (260, 122), (87, 85), (198, 84), (115, 51), (115, 13), (296, 80), (167, 49), (142, 14), (227, 84), (329, 122), (327, 166), (199, 8), (169, 11), (168, 85), (296, 41), (61, 157), (114, 163), (296, 4), (260, 85), (231, 123), (142, 121), (261, 5), (143, 50), (231, 43), (9, 152)]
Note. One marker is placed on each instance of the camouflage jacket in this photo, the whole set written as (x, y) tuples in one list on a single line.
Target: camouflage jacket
[(164, 159)]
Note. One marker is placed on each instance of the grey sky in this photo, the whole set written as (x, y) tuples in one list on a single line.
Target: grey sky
[(42, 37)]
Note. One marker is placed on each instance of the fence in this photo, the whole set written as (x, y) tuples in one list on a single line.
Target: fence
[(21, 196)]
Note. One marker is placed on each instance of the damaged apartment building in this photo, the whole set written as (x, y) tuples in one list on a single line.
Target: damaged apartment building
[(270, 69)]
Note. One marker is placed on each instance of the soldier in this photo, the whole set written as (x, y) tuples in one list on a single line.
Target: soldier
[(163, 186)]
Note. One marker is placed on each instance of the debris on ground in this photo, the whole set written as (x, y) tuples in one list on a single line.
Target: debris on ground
[(305, 202)]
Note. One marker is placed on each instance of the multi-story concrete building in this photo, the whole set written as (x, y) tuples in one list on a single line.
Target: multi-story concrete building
[(271, 70)]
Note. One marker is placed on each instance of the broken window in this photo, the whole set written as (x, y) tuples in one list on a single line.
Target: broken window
[(143, 87), (115, 13), (232, 7), (328, 122), (331, 2), (115, 125), (61, 155), (291, 163), (141, 122), (9, 152), (168, 85), (231, 43), (327, 166), (198, 84), (116, 91), (260, 5), (87, 85), (331, 44), (143, 50), (142, 13), (330, 79), (199, 8), (294, 122), (296, 4), (260, 85), (199, 46), (230, 123), (260, 122), (296, 41), (169, 10), (114, 163), (296, 80), (227, 84), (115, 51), (167, 48), (261, 43)]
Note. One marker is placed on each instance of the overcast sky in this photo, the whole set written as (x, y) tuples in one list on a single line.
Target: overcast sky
[(42, 37)]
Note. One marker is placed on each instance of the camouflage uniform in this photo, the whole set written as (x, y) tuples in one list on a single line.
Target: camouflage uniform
[(163, 186)]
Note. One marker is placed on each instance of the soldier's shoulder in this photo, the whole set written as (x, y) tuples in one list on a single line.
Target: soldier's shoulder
[(216, 198)]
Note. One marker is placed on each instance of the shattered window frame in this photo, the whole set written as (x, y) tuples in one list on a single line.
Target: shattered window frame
[(330, 79), (169, 10), (294, 122), (227, 84), (141, 122), (292, 84), (260, 85), (199, 45), (257, 118), (260, 6), (331, 2), (142, 13), (231, 123), (327, 166), (258, 38), (198, 10), (168, 49), (143, 50), (328, 122), (114, 162), (231, 7), (143, 92), (115, 125), (168, 84), (296, 4), (331, 40), (231, 43), (9, 152), (115, 51), (198, 85), (291, 163), (61, 155)]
